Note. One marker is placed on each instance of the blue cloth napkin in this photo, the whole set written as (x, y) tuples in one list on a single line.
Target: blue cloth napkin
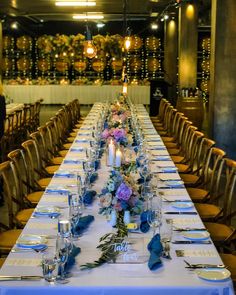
[(82, 224), (174, 184), (169, 170), (56, 191), (163, 158), (144, 226), (89, 197), (97, 164), (76, 149), (93, 177), (71, 259), (72, 161), (64, 175), (39, 247), (155, 248)]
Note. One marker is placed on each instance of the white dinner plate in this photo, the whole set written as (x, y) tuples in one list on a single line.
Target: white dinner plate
[(182, 205), (28, 240), (213, 274), (196, 235)]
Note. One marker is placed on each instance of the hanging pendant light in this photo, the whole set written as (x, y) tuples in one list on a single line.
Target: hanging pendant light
[(90, 49)]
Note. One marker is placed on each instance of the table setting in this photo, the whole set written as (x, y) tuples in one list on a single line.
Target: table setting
[(116, 217)]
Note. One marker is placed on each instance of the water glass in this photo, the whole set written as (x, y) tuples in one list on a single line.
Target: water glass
[(49, 266), (63, 248), (153, 219)]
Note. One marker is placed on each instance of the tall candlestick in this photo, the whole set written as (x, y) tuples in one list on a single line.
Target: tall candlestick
[(118, 158), (111, 153)]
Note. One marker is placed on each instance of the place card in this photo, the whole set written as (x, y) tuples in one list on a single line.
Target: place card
[(42, 225), (195, 253), (23, 262)]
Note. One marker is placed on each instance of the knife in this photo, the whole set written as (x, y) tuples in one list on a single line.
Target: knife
[(192, 242), (180, 213), (193, 266), (189, 229), (20, 278)]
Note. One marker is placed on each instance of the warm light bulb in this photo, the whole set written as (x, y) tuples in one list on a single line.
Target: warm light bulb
[(89, 49), (125, 88), (127, 43)]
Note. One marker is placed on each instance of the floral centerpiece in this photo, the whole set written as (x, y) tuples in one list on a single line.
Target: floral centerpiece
[(121, 193)]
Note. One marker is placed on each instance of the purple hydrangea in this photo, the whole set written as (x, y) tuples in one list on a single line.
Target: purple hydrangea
[(123, 192), (119, 134)]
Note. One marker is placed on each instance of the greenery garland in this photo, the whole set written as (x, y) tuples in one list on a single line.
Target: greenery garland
[(107, 244)]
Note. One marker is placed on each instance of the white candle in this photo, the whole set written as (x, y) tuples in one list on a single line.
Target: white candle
[(118, 157), (111, 153)]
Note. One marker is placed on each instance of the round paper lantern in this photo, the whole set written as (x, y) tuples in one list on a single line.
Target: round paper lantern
[(117, 64), (6, 42), (135, 64), (6, 64), (80, 65), (23, 64), (43, 65), (153, 64), (98, 65), (152, 43), (24, 43), (62, 65)]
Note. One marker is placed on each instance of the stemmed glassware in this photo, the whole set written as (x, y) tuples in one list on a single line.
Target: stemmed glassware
[(63, 249)]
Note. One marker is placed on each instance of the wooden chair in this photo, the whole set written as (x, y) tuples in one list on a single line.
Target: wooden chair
[(230, 261), (173, 137), (38, 176), (222, 232), (2, 260), (31, 197), (200, 176), (161, 111), (44, 163)]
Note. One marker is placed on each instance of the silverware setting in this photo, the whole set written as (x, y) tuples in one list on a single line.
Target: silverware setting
[(192, 242), (203, 265), (189, 229), (20, 278), (181, 212)]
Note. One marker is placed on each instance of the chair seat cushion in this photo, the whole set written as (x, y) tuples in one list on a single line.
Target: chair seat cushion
[(9, 238), (52, 169), (182, 168), (73, 134), (207, 211), (230, 261), (57, 160), (24, 215), (189, 178), (44, 182), (70, 139), (67, 145), (63, 153), (197, 194), (177, 159), (35, 197), (219, 232), (168, 139), (173, 145), (2, 260), (173, 151)]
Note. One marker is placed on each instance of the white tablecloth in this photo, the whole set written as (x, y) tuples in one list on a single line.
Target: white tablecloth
[(111, 279), (61, 94)]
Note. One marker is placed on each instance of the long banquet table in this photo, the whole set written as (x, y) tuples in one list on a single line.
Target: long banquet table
[(113, 279), (87, 94)]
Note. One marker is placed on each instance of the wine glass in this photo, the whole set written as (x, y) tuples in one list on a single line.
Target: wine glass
[(153, 219), (63, 248)]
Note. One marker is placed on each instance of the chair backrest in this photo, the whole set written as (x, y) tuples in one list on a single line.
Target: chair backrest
[(32, 159), (37, 137), (196, 138), (229, 192), (18, 158), (11, 192)]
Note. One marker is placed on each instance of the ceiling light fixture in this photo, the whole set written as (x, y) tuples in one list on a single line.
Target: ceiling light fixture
[(75, 3), (154, 26), (90, 49), (100, 25), (14, 25), (90, 16)]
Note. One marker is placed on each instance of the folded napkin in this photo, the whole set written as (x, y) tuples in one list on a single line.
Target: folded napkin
[(89, 197), (144, 226), (64, 174), (71, 259), (56, 191), (93, 177), (47, 214), (82, 224), (39, 247), (155, 248), (169, 170), (72, 161)]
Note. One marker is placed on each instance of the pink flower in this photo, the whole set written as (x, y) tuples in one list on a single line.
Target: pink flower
[(105, 134), (119, 134)]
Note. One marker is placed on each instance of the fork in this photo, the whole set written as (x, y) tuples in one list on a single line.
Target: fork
[(204, 265)]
